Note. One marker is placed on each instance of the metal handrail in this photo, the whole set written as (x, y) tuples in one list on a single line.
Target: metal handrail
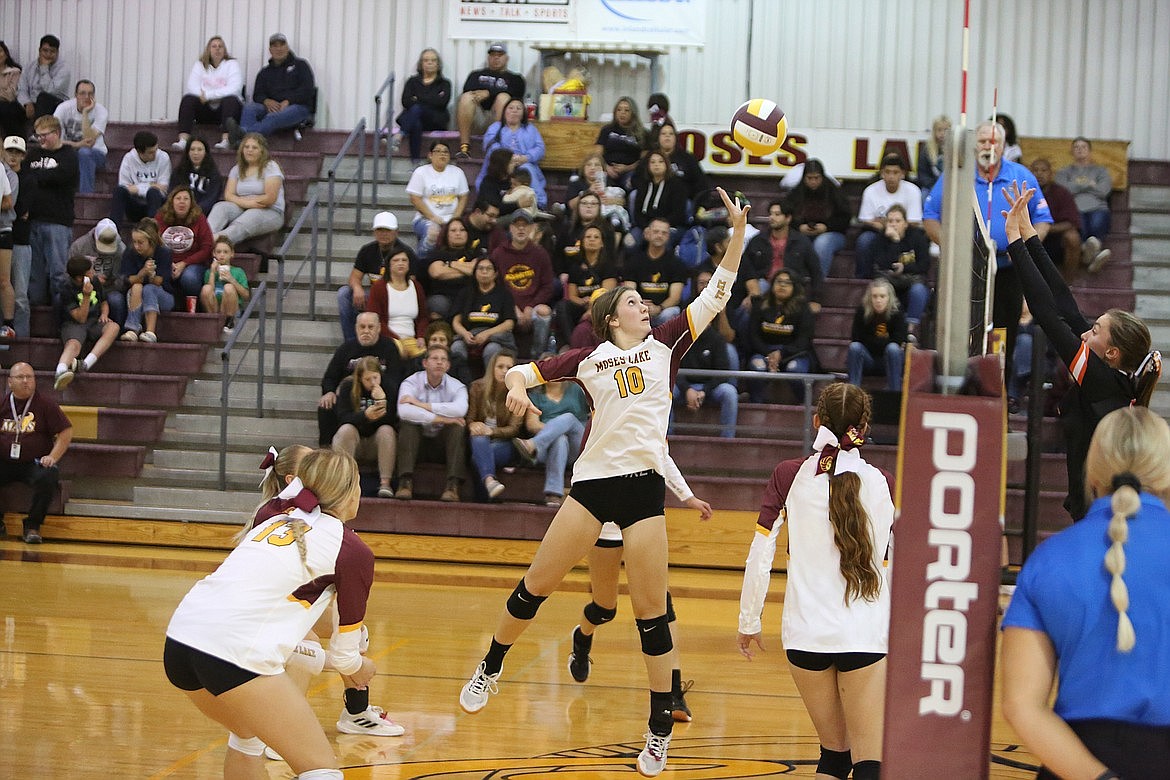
[(258, 303), (309, 212), (358, 132), (806, 379), (380, 126)]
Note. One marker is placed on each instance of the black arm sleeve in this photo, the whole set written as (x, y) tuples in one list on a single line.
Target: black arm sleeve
[(1066, 304), (1042, 300)]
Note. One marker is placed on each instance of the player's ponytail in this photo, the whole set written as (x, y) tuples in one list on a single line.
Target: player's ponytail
[(277, 468), (1125, 503), (844, 410), (1145, 379)]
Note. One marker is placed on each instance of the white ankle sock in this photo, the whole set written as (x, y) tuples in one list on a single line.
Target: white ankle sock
[(62, 368), (89, 360)]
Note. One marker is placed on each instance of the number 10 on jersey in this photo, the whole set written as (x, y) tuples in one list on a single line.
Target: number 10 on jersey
[(629, 381)]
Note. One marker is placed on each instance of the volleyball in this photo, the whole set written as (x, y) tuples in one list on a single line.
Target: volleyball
[(759, 127)]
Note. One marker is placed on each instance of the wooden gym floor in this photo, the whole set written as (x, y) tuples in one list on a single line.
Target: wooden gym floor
[(82, 691)]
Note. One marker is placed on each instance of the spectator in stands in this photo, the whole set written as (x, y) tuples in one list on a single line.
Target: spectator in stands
[(149, 283), (700, 279), (1091, 186), (485, 315), (658, 110), (401, 305), (365, 421), (45, 85), (621, 143), (661, 195), (769, 251), (656, 273), (85, 317), (83, 126), (877, 336), (696, 391), (520, 194), (425, 97), (1011, 149), (14, 154), (432, 407), (36, 438), (438, 191), (485, 93), (780, 333), (253, 201), (876, 200), (284, 96), (186, 232), (1063, 242), (930, 153), (372, 261), (491, 426), (143, 180), (996, 173), (368, 341), (591, 178), (683, 165), (513, 131), (820, 212), (214, 90), (450, 266), (441, 334), (591, 267), (103, 248), (12, 118), (587, 211), (556, 421), (54, 183), (901, 256), (481, 222), (528, 276), (198, 171), (495, 178), (9, 191), (224, 284)]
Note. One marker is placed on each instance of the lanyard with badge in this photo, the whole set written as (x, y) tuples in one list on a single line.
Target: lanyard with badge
[(14, 450)]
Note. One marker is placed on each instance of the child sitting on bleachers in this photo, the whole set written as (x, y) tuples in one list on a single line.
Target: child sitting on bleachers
[(224, 285), (86, 317)]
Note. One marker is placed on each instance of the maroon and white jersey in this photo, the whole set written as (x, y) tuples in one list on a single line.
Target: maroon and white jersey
[(262, 600), (816, 618), (629, 391)]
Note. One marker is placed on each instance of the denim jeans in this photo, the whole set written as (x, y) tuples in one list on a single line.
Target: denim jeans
[(916, 299), (88, 162), (557, 445), (489, 454), (126, 207), (863, 254), (255, 118), (826, 245), (346, 314), (1096, 223), (154, 298), (21, 266), (723, 394), (860, 362), (191, 280), (50, 250)]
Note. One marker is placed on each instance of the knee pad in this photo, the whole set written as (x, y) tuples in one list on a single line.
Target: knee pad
[(655, 635), (307, 655), (249, 747), (322, 774), (364, 640), (522, 605), (669, 608), (599, 615), (835, 763), (867, 770)]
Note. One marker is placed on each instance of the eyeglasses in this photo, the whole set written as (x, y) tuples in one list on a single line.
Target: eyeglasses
[(43, 136)]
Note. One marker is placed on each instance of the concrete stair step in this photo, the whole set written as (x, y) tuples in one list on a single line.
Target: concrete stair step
[(187, 423), (1148, 197), (1147, 222), (274, 394), (209, 512)]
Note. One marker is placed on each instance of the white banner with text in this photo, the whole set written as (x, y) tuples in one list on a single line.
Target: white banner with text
[(622, 23)]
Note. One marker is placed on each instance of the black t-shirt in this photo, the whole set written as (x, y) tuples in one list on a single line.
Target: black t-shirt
[(346, 356), (71, 300), (451, 288), (57, 174), (495, 82), (619, 145), (478, 310), (371, 259), (653, 277), (21, 227), (588, 278)]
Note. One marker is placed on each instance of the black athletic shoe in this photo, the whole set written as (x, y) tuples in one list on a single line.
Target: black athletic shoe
[(678, 704), (579, 659)]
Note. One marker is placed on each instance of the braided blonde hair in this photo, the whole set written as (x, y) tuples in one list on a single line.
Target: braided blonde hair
[(333, 478), (1127, 455)]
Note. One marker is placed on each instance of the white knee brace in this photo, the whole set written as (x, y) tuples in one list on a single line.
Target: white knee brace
[(308, 656), (249, 747), (322, 774)]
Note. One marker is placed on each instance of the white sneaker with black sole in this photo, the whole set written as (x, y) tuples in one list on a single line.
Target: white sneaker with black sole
[(474, 696), (652, 759), (373, 722)]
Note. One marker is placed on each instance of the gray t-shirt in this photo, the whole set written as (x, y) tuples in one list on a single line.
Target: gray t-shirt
[(253, 186)]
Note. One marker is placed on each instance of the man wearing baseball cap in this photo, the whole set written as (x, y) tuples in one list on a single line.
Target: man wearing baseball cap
[(283, 97), (485, 93), (371, 262)]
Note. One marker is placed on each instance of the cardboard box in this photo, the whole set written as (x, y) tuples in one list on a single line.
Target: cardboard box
[(569, 106)]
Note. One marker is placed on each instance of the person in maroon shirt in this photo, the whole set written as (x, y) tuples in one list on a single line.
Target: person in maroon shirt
[(1063, 242), (34, 434), (527, 273)]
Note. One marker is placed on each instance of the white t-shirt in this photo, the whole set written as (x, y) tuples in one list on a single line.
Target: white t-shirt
[(440, 189), (215, 83), (70, 119), (876, 200), (402, 310)]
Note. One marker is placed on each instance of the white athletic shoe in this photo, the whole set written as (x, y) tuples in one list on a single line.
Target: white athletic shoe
[(652, 759), (474, 696), (373, 721)]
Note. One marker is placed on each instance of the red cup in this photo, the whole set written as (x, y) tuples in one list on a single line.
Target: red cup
[(192, 303)]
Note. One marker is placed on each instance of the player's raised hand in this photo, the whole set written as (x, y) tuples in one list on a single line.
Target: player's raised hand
[(736, 212)]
